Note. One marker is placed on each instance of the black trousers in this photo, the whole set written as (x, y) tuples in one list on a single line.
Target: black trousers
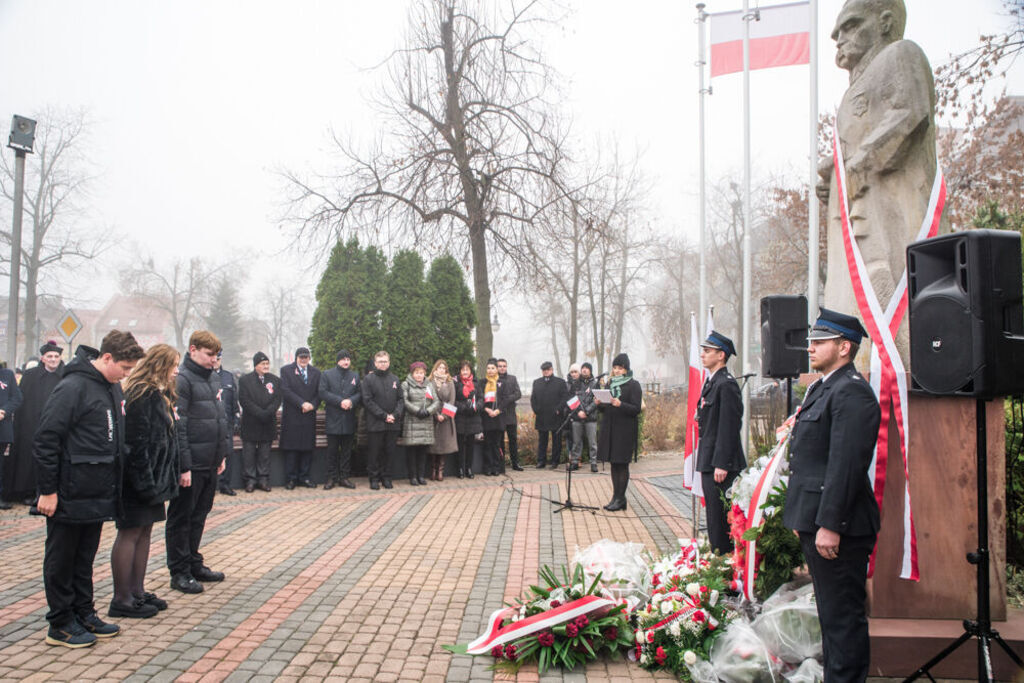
[(67, 569), (186, 520), (380, 453), (339, 456), (542, 447), (839, 589), (467, 444), (716, 509), (224, 480), (512, 432), (256, 462), (298, 464), (493, 462)]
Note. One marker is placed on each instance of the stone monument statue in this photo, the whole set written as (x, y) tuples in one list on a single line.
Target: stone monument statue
[(886, 124)]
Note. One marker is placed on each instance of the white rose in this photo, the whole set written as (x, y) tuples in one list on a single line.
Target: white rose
[(656, 599), (644, 658), (693, 588), (690, 657), (675, 629), (666, 608)]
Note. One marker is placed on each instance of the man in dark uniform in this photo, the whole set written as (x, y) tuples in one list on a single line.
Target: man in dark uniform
[(229, 397), (36, 385), (829, 502), (719, 451)]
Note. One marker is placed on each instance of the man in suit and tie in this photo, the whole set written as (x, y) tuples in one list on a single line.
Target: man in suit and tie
[(719, 452), (829, 502), (300, 394)]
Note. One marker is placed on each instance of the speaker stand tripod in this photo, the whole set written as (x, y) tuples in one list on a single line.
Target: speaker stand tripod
[(980, 628), (568, 504)]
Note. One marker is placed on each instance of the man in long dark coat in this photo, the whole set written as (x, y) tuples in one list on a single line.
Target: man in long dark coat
[(19, 474), (10, 400), (548, 402), (508, 412), (339, 390), (720, 456), (300, 391)]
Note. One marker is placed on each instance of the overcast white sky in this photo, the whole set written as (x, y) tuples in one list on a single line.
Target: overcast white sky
[(195, 103)]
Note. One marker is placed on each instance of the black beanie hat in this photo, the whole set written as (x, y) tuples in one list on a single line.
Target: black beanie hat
[(258, 358), (588, 366), (622, 360), (49, 346), (343, 354)]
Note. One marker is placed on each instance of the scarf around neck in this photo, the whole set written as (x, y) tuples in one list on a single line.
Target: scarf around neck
[(468, 386), (616, 384)]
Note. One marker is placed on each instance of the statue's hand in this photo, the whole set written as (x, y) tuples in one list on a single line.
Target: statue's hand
[(825, 171)]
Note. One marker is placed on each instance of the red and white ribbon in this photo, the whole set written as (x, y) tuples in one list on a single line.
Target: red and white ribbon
[(498, 635), (888, 376), (755, 515)]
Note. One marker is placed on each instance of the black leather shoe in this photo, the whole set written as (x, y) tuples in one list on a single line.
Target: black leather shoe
[(469, 474), (413, 481), (462, 474), (516, 467), (266, 487), (228, 491), (290, 485), (554, 467), (308, 484), (138, 609), (421, 481), (386, 483), (541, 465), (328, 486), (249, 488), (186, 584), (375, 485), (616, 505), (593, 467), (204, 573), (346, 484), (4, 505), (152, 599)]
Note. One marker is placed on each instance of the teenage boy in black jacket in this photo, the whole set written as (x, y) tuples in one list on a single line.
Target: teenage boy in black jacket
[(78, 449), (203, 444)]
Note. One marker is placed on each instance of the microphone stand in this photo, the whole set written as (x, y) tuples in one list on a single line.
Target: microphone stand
[(568, 504)]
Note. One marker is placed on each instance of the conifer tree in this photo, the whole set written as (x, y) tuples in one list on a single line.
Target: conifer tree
[(349, 299), (408, 335), (452, 312), (225, 320)]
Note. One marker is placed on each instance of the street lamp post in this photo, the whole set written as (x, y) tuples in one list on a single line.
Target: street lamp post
[(23, 133)]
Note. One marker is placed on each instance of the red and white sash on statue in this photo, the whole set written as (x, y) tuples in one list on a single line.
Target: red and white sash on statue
[(888, 374)]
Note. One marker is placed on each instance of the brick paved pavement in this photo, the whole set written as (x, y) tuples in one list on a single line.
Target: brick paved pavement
[(343, 585)]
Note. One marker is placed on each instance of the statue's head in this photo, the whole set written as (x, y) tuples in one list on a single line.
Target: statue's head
[(866, 26)]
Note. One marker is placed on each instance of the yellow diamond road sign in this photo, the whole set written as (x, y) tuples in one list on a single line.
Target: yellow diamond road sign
[(69, 326)]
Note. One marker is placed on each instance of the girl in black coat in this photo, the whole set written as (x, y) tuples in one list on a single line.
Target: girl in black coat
[(468, 404), (150, 478), (618, 436)]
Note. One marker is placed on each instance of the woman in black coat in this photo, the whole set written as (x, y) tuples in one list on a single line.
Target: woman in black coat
[(618, 435), (149, 478), (469, 404)]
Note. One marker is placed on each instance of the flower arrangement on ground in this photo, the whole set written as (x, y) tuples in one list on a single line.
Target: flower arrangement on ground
[(561, 624), (686, 612), (765, 552)]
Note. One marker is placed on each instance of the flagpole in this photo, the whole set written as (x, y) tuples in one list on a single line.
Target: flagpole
[(745, 357), (812, 200), (701, 18)]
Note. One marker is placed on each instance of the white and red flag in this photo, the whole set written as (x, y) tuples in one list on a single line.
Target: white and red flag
[(448, 409), (430, 394), (573, 402), (781, 37), (695, 382)]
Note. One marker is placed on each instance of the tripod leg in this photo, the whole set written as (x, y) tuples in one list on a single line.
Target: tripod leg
[(924, 670), (1002, 643)]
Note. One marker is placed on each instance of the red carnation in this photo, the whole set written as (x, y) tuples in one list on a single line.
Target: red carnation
[(657, 579), (571, 630), (510, 652), (582, 621), (698, 616), (555, 603), (660, 655), (650, 636), (546, 639), (611, 633), (497, 651), (704, 589)]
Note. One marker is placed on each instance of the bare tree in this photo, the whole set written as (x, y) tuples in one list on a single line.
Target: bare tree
[(56, 190), (183, 288), (284, 316), (471, 145)]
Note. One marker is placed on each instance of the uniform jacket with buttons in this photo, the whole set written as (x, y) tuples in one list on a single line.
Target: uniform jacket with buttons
[(830, 451), (719, 416)]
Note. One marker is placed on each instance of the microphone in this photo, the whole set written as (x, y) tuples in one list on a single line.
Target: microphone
[(748, 375)]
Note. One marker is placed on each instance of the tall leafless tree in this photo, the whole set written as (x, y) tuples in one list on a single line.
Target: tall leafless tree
[(471, 145), (56, 193)]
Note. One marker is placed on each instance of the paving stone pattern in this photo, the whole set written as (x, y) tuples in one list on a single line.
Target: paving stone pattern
[(344, 585)]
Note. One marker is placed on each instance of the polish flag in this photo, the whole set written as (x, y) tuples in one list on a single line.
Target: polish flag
[(781, 37), (430, 394), (691, 478), (448, 409), (573, 403)]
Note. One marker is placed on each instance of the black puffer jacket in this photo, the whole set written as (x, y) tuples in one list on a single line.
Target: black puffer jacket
[(583, 388), (151, 457), (79, 444), (203, 439)]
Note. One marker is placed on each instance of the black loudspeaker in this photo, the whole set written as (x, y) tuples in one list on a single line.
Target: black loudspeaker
[(783, 336), (966, 315)]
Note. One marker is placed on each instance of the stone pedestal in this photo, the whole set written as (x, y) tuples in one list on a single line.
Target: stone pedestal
[(943, 490)]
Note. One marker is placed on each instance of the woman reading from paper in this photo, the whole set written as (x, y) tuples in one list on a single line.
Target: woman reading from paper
[(617, 438)]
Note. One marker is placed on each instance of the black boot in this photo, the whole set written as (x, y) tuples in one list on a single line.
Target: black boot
[(620, 481), (421, 464), (410, 467)]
